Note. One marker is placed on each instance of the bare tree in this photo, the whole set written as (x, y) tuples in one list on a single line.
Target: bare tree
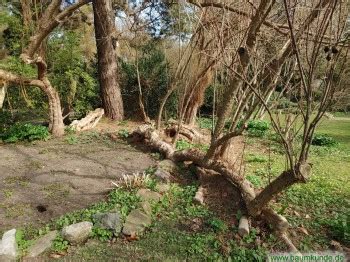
[(309, 31)]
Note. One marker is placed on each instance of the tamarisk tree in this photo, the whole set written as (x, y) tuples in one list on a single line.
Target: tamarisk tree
[(309, 60)]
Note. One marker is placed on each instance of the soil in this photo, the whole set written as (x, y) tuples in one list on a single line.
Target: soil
[(45, 180)]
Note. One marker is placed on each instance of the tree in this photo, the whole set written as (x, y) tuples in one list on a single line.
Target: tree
[(104, 20), (52, 17), (304, 41)]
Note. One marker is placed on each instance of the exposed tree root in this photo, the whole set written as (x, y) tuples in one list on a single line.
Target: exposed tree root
[(146, 134)]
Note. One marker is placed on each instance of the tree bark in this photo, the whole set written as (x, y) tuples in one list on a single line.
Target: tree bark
[(2, 94), (104, 20), (56, 126)]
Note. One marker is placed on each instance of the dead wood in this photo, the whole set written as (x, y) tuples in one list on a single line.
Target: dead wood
[(88, 122)]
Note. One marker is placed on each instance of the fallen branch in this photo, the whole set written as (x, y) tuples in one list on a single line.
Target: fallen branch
[(88, 122)]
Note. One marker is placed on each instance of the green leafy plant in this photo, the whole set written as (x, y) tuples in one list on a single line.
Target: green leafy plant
[(340, 228), (257, 128), (255, 180), (102, 234), (59, 244), (253, 158), (218, 225), (21, 241), (25, 132), (123, 133), (323, 140)]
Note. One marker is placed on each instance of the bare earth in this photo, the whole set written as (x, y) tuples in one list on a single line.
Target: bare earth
[(47, 179)]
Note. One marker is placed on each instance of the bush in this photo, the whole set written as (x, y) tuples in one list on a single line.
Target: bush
[(323, 140), (257, 128), (25, 132)]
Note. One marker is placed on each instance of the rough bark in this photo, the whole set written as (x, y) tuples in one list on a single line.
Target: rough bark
[(300, 174), (56, 126), (104, 20)]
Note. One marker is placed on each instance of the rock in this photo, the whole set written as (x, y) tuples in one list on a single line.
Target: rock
[(162, 188), (163, 175), (8, 246), (147, 195), (41, 245), (168, 165), (199, 197), (109, 221), (136, 222), (77, 233), (243, 228), (146, 206)]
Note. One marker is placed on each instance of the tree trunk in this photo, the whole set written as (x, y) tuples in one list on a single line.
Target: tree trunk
[(56, 125), (2, 94), (104, 20)]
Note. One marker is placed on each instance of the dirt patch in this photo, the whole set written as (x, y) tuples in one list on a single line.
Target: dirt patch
[(45, 180)]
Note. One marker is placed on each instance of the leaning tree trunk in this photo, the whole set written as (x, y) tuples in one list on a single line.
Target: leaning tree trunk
[(56, 125), (104, 20)]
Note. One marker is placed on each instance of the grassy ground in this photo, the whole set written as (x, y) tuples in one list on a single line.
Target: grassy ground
[(319, 211)]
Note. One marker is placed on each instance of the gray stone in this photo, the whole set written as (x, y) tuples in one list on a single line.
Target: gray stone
[(199, 197), (146, 206), (168, 165), (162, 188), (163, 175), (147, 195), (8, 245), (136, 222), (77, 233), (109, 221), (42, 244)]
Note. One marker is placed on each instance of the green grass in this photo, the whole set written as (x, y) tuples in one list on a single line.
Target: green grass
[(322, 205)]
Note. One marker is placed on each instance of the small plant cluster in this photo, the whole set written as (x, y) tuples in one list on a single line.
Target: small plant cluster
[(182, 144), (324, 140), (257, 128), (24, 132)]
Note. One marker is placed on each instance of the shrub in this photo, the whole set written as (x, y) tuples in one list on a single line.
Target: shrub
[(257, 128), (323, 140), (25, 132)]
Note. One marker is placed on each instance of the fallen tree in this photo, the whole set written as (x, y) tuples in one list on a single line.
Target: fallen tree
[(89, 121), (146, 134)]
